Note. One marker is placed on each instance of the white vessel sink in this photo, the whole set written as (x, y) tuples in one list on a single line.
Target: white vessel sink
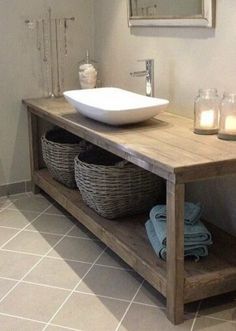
[(115, 106)]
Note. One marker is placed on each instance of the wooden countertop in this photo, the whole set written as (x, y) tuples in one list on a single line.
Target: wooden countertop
[(165, 145)]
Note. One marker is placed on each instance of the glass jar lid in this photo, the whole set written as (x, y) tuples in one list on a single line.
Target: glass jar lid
[(208, 93)]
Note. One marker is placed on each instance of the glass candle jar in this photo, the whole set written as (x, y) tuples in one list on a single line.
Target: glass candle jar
[(206, 112), (227, 129)]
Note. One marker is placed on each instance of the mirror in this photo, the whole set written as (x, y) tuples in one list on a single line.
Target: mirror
[(197, 13)]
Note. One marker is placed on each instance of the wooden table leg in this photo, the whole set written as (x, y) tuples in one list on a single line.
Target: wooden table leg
[(33, 147), (175, 252)]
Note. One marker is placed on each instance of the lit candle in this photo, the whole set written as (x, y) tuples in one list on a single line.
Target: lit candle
[(230, 124), (207, 118)]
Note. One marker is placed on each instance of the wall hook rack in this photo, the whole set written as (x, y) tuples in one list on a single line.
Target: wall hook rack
[(52, 43)]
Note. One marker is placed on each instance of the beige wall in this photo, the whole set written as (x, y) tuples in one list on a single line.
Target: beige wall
[(186, 59), (20, 72)]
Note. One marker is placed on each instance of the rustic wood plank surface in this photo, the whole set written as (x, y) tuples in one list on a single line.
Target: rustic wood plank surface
[(34, 148), (165, 145), (175, 252), (213, 275), (126, 237)]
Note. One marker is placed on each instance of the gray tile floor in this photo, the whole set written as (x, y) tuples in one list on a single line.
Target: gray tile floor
[(55, 275)]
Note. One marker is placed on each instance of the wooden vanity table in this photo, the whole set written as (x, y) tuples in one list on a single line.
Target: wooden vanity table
[(167, 147)]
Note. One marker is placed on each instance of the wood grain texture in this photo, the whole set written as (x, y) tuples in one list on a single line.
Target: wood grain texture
[(213, 275), (175, 252), (217, 273), (165, 145), (33, 147), (126, 237)]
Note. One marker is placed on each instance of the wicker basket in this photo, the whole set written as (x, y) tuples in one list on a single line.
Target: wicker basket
[(114, 187), (59, 149)]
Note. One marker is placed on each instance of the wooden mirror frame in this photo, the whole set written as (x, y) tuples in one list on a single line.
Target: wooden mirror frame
[(207, 19)]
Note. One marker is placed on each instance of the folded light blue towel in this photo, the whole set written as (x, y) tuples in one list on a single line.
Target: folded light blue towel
[(196, 251), (196, 234), (192, 213)]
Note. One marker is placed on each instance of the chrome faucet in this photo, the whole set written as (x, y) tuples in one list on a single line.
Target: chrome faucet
[(149, 74)]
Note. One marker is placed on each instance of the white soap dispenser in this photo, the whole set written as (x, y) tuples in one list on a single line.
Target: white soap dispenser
[(87, 73)]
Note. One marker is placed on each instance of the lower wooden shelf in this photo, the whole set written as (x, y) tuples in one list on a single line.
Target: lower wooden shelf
[(213, 275)]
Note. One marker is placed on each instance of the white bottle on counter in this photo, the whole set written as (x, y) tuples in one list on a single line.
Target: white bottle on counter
[(87, 74)]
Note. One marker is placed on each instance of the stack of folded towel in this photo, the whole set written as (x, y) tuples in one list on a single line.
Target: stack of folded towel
[(196, 236)]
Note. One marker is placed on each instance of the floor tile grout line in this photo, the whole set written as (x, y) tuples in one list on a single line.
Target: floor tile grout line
[(37, 321), (33, 231), (68, 328), (18, 195), (9, 227), (21, 318), (87, 293), (65, 289), (7, 207), (50, 233), (40, 255), (127, 309), (9, 278), (11, 206), (60, 215), (109, 297), (65, 214), (148, 305), (158, 307), (37, 212), (102, 296), (217, 318), (67, 260), (44, 285), (73, 290), (30, 194), (114, 267), (30, 210), (34, 266), (16, 234), (196, 315), (21, 252), (13, 196), (35, 283), (3, 197), (64, 327), (61, 234), (82, 292)]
